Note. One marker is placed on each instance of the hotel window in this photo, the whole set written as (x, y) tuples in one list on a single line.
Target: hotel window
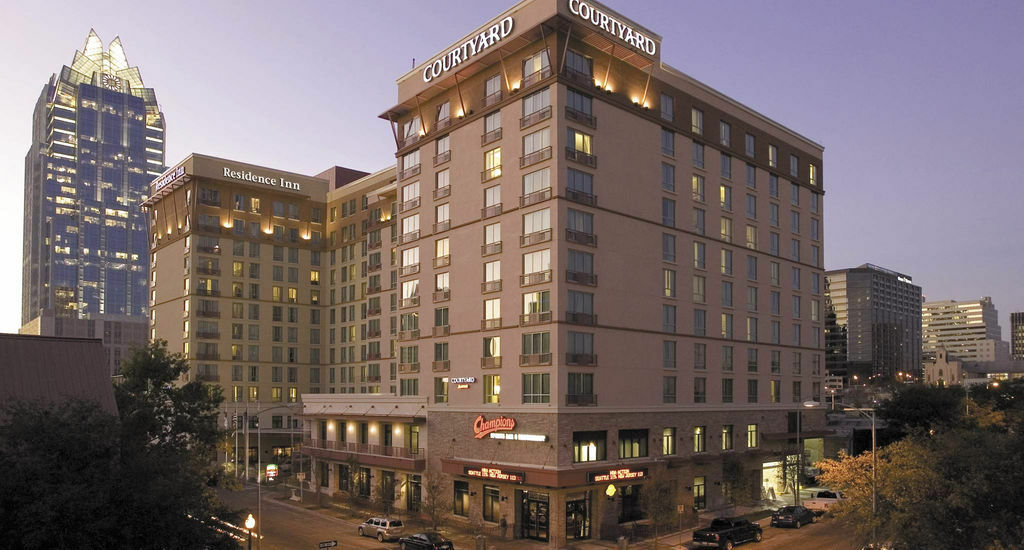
[(441, 213), (794, 253), (776, 358), (492, 196), (536, 102), (670, 283), (751, 176), (726, 167), (492, 88), (699, 255), (581, 183), (751, 206), (751, 391), (698, 220), (588, 446), (411, 128), (725, 197), (773, 186), (774, 392), (726, 293), (533, 65), (668, 441), (668, 212), (697, 183), (442, 282), (752, 329), (699, 289), (699, 439), (812, 174), (411, 191), (460, 500), (443, 113), (700, 500), (796, 334), (536, 222), (668, 142), (492, 346), (492, 163), (536, 182), (409, 162), (696, 121), (668, 177), (794, 166), (492, 388), (726, 229), (752, 359), (724, 133), (536, 262), (794, 194), (773, 156), (492, 271), (580, 64), (727, 390), (411, 257), (796, 307), (442, 145), (668, 354), (797, 362), (492, 311), (668, 247), (815, 310), (440, 390), (537, 302), (815, 224), (796, 391), (727, 437), (698, 155), (537, 343), (794, 221), (581, 388), (749, 144), (774, 275), (726, 262), (409, 386), (773, 243), (410, 224), (410, 289), (492, 123), (815, 203), (775, 332), (700, 322), (751, 436), (700, 387), (752, 238), (727, 331), (773, 214), (632, 443), (536, 388), (580, 142), (580, 104), (727, 358), (700, 356), (668, 318), (667, 107), (815, 283)]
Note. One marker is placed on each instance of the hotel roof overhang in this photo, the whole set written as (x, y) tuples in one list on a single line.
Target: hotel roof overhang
[(366, 411), (554, 24), (167, 190)]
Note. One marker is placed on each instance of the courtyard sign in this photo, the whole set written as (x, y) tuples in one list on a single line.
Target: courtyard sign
[(468, 49), (613, 26)]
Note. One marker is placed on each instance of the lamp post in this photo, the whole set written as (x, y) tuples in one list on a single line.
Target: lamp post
[(259, 459), (869, 413), (250, 522), (799, 448)]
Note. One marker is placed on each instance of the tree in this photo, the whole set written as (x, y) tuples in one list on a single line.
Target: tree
[(436, 504), (738, 482), (916, 408), (385, 495), (77, 476), (658, 501)]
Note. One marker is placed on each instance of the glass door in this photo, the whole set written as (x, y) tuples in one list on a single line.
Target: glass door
[(577, 517), (535, 516)]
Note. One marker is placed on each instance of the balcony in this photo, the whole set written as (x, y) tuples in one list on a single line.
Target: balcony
[(442, 295), (490, 248), (490, 286), (375, 455), (208, 249), (490, 324), (490, 173), (580, 157), (490, 137), (490, 362), (441, 227), (580, 278), (209, 202), (442, 124), (580, 318), (407, 270), (373, 333), (409, 334), (409, 204), (371, 268), (579, 237), (207, 270), (373, 356), (535, 197), (408, 368), (534, 359), (209, 228), (490, 211), (410, 302), (373, 289), (443, 261), (535, 238), (409, 140), (535, 117), (208, 355), (492, 99), (581, 399), (581, 197), (208, 377), (373, 310), (442, 192), (442, 158), (207, 292), (208, 334), (535, 157), (406, 238), (441, 366), (580, 359), (581, 117), (536, 76), (409, 172), (442, 330), (528, 319), (208, 313), (373, 245), (579, 77), (535, 278)]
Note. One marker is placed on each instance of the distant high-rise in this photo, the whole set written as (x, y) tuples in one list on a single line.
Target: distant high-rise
[(872, 322), (1017, 334), (97, 142), (967, 330)]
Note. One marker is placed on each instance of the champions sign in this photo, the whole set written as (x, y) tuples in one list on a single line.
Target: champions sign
[(482, 426)]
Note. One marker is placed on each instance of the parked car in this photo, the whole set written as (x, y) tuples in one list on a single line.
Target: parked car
[(727, 532), (822, 501), (381, 529), (793, 516), (429, 541)]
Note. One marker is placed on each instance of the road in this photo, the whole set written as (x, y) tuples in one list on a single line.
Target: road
[(820, 535)]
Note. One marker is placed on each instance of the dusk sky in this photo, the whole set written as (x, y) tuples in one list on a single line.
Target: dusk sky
[(920, 105)]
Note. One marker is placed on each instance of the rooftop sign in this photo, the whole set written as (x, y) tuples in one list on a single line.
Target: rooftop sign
[(168, 177), (468, 49), (598, 18), (248, 175)]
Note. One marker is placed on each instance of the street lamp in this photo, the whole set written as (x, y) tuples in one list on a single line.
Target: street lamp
[(250, 522), (799, 448), (866, 413), (259, 456)]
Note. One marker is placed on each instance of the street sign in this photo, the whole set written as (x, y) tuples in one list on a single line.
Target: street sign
[(681, 508), (271, 471), (328, 544), (301, 476)]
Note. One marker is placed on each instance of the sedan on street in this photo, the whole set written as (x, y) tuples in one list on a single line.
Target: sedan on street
[(792, 516)]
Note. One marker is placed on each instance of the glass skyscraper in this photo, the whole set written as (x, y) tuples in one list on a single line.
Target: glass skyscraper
[(97, 142)]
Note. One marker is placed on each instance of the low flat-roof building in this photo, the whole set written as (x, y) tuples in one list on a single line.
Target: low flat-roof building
[(51, 370)]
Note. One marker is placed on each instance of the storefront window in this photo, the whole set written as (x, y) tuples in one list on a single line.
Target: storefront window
[(668, 441), (588, 446), (491, 499), (460, 500), (577, 517), (699, 500), (632, 443)]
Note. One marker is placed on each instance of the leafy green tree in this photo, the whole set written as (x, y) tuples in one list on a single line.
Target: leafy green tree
[(918, 408)]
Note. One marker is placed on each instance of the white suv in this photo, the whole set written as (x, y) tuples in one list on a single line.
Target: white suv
[(381, 528)]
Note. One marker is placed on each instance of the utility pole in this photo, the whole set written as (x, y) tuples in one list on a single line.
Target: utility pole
[(247, 442)]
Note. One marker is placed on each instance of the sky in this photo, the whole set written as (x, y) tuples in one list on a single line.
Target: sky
[(919, 104)]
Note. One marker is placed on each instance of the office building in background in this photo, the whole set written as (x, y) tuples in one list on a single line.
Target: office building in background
[(967, 330), (1017, 335), (872, 323)]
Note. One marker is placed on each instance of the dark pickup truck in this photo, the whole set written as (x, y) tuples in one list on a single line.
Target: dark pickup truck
[(727, 532)]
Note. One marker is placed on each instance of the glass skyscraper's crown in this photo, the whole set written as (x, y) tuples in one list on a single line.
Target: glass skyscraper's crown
[(97, 142)]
